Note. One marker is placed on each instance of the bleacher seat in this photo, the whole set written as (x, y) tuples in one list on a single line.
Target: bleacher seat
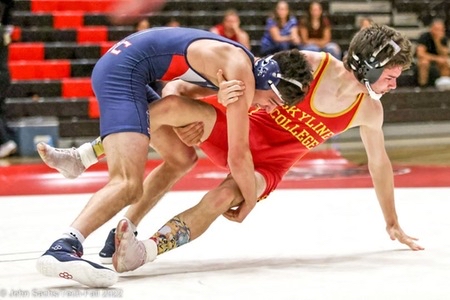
[(72, 5), (50, 106), (40, 69), (76, 87), (68, 19), (57, 43), (26, 51)]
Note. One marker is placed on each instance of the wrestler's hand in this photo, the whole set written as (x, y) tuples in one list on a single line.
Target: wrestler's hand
[(396, 233), (239, 213), (190, 134), (229, 90)]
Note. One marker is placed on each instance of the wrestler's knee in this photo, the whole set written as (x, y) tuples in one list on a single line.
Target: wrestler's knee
[(129, 189), (169, 105), (183, 163)]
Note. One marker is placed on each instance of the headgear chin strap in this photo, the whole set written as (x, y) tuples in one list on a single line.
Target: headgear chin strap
[(267, 76), (369, 71)]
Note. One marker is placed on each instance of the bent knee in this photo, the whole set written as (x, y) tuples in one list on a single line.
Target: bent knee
[(130, 190), (170, 105), (182, 163)]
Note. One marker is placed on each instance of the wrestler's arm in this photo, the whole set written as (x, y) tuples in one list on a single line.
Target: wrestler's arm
[(380, 169), (184, 88), (229, 92), (207, 57), (236, 65)]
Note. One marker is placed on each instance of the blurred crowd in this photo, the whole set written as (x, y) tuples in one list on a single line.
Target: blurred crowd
[(311, 30)]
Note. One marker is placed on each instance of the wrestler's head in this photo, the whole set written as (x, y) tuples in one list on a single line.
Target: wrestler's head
[(376, 51), (287, 73)]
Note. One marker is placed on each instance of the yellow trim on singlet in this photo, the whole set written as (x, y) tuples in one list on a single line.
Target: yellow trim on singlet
[(359, 99), (322, 67)]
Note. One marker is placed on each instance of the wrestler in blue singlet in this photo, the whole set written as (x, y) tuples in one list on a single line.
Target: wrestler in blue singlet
[(120, 78)]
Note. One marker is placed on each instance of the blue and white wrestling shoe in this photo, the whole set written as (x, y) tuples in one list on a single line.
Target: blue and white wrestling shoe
[(109, 248), (106, 254), (63, 259)]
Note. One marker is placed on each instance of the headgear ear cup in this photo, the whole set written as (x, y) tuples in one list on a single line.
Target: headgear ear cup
[(370, 70), (267, 74), (367, 71), (370, 73)]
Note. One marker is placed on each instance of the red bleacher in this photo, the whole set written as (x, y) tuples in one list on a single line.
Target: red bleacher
[(36, 60), (76, 87), (104, 46), (72, 5), (88, 34), (39, 69), (94, 111), (68, 19), (26, 51)]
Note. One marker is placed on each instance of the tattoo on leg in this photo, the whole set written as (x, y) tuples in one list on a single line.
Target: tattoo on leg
[(172, 235), (97, 145)]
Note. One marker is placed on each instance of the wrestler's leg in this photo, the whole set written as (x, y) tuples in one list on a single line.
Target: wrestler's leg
[(179, 230), (178, 159)]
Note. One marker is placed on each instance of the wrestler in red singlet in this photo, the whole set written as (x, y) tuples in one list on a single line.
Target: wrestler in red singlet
[(221, 30), (279, 139)]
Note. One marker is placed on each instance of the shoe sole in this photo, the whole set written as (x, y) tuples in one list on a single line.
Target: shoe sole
[(120, 230), (105, 260), (78, 271), (9, 153)]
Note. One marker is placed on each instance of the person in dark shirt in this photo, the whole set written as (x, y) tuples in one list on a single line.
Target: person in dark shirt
[(315, 32), (432, 53)]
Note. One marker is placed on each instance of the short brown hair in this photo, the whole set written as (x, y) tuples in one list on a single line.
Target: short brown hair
[(294, 65)]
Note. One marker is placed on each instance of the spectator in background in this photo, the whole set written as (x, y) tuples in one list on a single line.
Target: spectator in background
[(173, 22), (231, 28), (142, 24), (365, 22), (7, 144), (315, 32), (280, 32), (432, 54)]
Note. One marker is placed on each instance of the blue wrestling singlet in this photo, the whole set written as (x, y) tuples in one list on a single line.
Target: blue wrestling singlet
[(120, 78)]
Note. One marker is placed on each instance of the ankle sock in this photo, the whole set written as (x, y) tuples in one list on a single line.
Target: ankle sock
[(151, 249), (87, 155), (74, 234)]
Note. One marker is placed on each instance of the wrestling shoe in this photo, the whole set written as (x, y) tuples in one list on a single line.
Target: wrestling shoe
[(107, 252), (7, 149), (130, 253), (63, 259), (66, 161)]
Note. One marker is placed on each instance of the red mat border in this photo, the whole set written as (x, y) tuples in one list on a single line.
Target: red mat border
[(331, 172)]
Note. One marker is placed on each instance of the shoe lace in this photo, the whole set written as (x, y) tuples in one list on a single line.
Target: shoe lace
[(70, 151)]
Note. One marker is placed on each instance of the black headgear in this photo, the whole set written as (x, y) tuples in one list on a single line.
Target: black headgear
[(369, 71)]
